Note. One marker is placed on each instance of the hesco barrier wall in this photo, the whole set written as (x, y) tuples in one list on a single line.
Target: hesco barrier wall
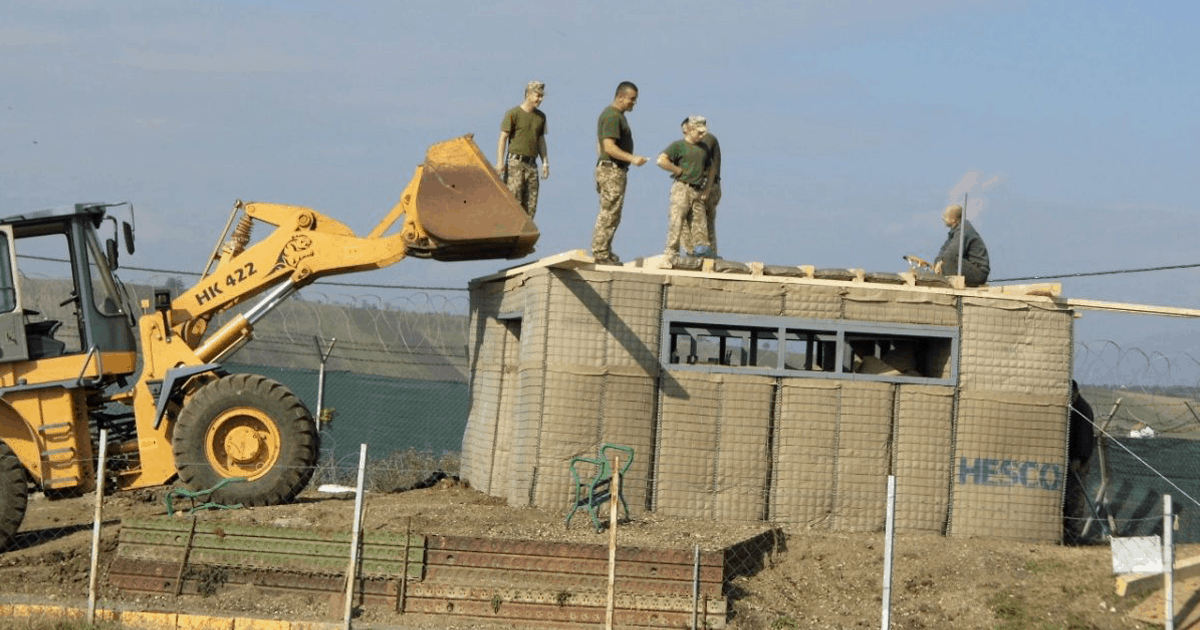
[(774, 394)]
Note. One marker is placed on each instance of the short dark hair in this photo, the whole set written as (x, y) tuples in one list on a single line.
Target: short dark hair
[(625, 86)]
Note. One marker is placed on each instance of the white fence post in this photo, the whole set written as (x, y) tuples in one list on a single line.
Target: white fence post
[(888, 535), (1168, 559), (91, 609), (352, 570)]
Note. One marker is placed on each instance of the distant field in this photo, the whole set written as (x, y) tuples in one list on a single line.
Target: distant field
[(1175, 414)]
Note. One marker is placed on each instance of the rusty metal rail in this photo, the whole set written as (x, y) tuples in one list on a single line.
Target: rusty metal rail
[(525, 583)]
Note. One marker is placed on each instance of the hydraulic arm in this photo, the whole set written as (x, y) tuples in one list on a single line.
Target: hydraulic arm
[(455, 208)]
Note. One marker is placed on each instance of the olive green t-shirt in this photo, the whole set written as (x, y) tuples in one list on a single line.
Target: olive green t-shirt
[(525, 130), (689, 157), (612, 124)]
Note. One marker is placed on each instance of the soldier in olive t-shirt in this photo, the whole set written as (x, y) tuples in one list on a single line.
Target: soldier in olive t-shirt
[(614, 146), (522, 140), (686, 160)]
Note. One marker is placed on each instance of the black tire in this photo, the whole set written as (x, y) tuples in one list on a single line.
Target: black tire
[(245, 425), (14, 494)]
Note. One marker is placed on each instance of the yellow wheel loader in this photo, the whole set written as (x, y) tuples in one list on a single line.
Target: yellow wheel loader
[(154, 379)]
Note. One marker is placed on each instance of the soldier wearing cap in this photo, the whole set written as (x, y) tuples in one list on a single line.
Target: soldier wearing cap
[(522, 140), (685, 160), (975, 265), (711, 195), (614, 148)]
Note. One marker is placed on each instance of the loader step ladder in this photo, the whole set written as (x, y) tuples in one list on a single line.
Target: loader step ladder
[(200, 494), (593, 492), (58, 460)]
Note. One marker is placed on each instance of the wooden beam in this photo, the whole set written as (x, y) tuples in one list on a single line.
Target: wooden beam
[(1125, 307), (1138, 583)]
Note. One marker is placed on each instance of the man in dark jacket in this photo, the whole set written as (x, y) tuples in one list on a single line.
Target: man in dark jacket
[(975, 266)]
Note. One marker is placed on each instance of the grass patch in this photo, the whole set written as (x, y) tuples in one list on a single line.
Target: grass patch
[(1012, 614), (1009, 610), (399, 471), (784, 623), (1039, 568), (405, 470)]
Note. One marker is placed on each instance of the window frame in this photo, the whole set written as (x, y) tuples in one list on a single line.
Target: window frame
[(835, 331)]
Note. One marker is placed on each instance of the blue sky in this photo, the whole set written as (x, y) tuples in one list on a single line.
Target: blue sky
[(845, 126)]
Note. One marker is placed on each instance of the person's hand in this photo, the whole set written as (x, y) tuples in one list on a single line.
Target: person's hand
[(545, 171), (937, 267), (639, 160)]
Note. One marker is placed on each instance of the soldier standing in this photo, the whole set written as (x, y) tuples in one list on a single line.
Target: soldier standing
[(685, 160), (711, 195), (614, 147), (522, 140)]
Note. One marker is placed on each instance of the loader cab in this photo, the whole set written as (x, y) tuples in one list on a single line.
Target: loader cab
[(58, 294)]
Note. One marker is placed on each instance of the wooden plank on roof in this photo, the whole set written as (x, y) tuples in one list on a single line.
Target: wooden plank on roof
[(1126, 307)]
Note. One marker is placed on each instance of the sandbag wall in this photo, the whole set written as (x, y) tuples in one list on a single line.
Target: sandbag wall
[(565, 360)]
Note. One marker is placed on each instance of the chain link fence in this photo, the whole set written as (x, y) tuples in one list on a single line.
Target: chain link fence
[(1144, 411)]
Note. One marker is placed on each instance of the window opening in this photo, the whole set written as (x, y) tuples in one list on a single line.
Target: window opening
[(784, 346)]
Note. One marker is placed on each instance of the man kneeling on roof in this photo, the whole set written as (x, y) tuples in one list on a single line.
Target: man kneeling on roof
[(974, 254)]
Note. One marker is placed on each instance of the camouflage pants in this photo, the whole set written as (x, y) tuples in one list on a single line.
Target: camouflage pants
[(610, 185), (523, 184), (692, 239), (686, 216)]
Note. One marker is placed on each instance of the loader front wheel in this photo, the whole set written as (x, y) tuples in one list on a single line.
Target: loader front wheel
[(249, 426), (14, 493)]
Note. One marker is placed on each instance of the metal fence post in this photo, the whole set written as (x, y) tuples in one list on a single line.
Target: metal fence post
[(323, 355), (1168, 560), (91, 609), (888, 535), (352, 570)]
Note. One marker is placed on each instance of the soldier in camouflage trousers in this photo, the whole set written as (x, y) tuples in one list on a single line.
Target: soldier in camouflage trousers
[(522, 140), (614, 146), (685, 160), (711, 195), (523, 182), (610, 185)]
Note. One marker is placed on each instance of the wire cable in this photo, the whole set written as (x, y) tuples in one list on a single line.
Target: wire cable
[(1100, 273)]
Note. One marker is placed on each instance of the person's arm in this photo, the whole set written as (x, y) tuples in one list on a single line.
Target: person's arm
[(665, 164), (949, 251), (545, 157), (502, 150), (710, 176), (610, 148)]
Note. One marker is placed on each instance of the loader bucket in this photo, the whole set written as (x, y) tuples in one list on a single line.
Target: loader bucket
[(464, 210)]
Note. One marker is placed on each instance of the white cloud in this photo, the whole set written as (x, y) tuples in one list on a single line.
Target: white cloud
[(974, 184)]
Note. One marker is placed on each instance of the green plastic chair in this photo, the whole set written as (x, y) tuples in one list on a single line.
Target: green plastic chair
[(595, 491)]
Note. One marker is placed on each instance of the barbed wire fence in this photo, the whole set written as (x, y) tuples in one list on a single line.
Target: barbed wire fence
[(1144, 410)]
